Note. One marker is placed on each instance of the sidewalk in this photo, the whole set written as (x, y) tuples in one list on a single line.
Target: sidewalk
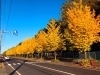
[(3, 71)]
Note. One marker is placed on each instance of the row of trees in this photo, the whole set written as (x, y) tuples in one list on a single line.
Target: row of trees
[(79, 26), (47, 40)]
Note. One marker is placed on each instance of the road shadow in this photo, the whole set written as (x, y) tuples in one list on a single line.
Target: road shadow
[(66, 59), (1, 60), (12, 73), (60, 58)]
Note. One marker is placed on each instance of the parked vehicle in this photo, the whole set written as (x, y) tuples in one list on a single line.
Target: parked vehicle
[(6, 58), (1, 56)]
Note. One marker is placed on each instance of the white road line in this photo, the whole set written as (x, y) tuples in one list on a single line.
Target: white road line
[(14, 64), (18, 63), (13, 68), (31, 62), (53, 69), (27, 63)]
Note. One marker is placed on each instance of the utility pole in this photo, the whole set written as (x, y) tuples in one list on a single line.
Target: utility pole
[(0, 41), (0, 27), (2, 31)]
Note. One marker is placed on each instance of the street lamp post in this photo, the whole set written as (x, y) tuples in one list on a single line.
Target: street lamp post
[(14, 33)]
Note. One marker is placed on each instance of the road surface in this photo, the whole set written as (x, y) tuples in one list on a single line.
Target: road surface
[(23, 67)]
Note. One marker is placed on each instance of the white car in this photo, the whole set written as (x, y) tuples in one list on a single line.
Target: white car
[(6, 58)]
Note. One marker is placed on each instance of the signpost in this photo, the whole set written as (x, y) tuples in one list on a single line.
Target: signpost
[(14, 33)]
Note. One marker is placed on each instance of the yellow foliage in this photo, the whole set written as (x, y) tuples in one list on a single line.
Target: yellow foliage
[(55, 42), (19, 50), (27, 46), (41, 39), (83, 27)]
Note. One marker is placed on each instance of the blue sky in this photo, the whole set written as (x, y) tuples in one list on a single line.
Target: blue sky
[(27, 17)]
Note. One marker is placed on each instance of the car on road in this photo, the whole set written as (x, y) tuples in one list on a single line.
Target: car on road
[(6, 58), (1, 56)]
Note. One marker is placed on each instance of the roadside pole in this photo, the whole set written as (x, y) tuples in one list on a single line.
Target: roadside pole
[(0, 27), (0, 40), (14, 33)]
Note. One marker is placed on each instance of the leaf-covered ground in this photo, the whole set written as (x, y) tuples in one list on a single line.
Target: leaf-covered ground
[(1, 65)]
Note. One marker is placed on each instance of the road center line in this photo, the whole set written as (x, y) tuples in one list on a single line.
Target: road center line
[(13, 68), (53, 69)]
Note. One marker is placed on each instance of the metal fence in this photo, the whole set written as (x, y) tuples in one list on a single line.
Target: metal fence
[(95, 55), (70, 55)]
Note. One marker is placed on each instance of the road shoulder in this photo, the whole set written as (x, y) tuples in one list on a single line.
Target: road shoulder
[(3, 70)]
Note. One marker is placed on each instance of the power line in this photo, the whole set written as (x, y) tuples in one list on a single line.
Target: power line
[(0, 14), (0, 27), (9, 14), (4, 14), (3, 19), (8, 19)]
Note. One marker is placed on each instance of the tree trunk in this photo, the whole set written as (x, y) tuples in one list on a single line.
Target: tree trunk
[(38, 55), (26, 55), (15, 55), (61, 53), (23, 55), (85, 55), (41, 54), (32, 55), (55, 55)]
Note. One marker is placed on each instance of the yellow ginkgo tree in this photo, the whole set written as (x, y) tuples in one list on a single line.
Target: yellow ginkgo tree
[(41, 39), (83, 27), (18, 50), (55, 41), (26, 46)]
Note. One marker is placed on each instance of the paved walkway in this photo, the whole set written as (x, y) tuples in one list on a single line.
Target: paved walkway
[(3, 71)]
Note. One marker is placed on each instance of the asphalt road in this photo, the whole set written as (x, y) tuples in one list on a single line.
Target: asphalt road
[(21, 67)]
